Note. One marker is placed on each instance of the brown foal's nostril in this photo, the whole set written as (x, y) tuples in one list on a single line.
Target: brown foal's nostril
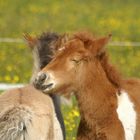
[(38, 82), (42, 77)]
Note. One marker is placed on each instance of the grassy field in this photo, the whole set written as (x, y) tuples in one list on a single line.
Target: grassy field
[(101, 16), (121, 18)]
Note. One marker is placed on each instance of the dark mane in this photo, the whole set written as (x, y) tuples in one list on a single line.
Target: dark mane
[(46, 40)]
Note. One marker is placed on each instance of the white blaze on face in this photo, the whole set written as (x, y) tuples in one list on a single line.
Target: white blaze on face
[(127, 115)]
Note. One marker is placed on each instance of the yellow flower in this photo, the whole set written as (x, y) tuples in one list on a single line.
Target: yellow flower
[(75, 113), (9, 68), (16, 78), (7, 78)]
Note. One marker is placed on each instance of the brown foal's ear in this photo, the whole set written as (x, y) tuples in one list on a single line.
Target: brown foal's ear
[(98, 45), (31, 41)]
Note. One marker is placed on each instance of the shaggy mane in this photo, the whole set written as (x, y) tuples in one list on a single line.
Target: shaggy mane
[(111, 72)]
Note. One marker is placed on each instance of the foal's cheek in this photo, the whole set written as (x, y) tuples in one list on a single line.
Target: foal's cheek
[(70, 66)]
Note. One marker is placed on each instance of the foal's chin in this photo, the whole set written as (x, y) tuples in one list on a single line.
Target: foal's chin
[(58, 90), (48, 91), (52, 90)]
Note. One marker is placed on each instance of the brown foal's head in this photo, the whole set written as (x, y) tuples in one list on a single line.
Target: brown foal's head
[(74, 58)]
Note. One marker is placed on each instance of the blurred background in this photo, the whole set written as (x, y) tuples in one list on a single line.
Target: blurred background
[(119, 17)]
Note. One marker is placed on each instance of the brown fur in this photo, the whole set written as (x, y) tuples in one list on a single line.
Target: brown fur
[(82, 67)]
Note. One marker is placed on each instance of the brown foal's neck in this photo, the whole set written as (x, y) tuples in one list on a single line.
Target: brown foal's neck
[(96, 98)]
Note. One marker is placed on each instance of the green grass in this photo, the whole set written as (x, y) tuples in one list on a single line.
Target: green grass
[(101, 16), (16, 63), (121, 18), (71, 119)]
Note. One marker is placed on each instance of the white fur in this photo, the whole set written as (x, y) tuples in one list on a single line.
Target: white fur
[(36, 64), (127, 115), (57, 129)]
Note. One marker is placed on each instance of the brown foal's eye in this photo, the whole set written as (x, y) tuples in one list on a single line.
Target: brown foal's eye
[(75, 61)]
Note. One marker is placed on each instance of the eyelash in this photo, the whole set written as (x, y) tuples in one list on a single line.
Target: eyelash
[(76, 61)]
